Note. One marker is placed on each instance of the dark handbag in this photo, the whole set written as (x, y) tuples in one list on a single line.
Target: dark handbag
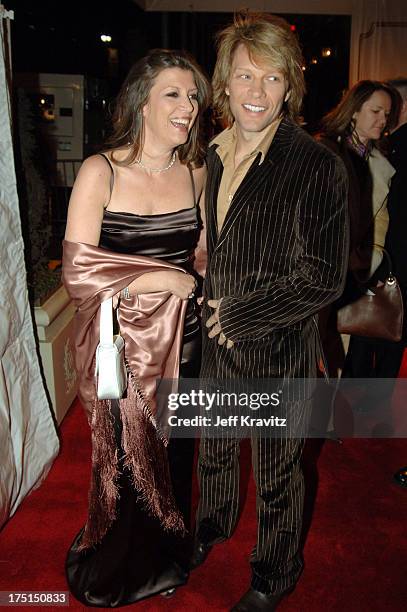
[(376, 314)]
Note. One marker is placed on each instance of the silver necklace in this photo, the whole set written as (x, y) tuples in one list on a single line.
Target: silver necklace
[(173, 158)]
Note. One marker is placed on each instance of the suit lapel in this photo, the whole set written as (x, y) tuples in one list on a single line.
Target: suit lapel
[(211, 198), (255, 177)]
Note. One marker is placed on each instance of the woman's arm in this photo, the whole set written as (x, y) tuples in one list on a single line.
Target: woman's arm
[(90, 195), (200, 251)]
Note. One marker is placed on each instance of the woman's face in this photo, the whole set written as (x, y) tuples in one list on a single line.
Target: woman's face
[(171, 109), (371, 120)]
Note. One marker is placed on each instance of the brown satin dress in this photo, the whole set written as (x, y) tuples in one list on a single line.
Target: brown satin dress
[(136, 559)]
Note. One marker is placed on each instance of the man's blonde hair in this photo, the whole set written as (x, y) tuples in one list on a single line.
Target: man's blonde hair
[(267, 39)]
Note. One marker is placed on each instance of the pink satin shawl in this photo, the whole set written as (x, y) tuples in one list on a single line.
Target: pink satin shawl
[(151, 324), (152, 328)]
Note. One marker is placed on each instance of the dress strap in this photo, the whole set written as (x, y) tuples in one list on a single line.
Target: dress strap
[(111, 176), (193, 184)]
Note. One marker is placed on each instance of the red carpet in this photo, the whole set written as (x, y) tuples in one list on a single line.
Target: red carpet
[(355, 551)]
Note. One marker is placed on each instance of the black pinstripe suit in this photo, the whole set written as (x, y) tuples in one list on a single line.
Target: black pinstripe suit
[(279, 258)]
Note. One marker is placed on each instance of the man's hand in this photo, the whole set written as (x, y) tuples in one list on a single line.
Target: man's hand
[(213, 323)]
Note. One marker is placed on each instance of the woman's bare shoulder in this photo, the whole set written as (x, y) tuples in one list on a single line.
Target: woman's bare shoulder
[(96, 165)]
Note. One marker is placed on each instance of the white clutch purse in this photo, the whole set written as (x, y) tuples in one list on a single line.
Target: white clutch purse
[(110, 372)]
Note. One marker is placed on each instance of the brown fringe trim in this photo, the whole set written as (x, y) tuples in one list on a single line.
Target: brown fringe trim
[(144, 403), (145, 458), (103, 492)]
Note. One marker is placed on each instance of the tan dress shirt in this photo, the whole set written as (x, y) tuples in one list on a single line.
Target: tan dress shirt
[(232, 176)]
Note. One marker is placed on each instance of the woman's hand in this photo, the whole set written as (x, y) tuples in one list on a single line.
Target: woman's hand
[(178, 283)]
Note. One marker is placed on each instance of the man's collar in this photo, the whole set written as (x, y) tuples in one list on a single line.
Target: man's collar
[(226, 140)]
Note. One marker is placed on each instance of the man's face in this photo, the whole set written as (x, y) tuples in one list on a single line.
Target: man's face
[(256, 92)]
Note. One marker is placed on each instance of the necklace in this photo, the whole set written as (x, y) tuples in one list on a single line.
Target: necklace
[(173, 158)]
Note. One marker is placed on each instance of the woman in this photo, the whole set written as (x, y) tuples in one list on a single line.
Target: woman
[(133, 226), (355, 130)]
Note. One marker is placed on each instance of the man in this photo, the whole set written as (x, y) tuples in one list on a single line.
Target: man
[(277, 238), (390, 354)]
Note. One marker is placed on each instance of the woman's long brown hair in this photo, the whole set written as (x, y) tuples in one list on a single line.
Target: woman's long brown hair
[(127, 119)]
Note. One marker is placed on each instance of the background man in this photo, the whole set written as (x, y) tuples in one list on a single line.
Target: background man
[(277, 238), (391, 353)]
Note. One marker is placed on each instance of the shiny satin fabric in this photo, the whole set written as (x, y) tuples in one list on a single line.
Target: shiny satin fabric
[(167, 235), (136, 558), (152, 328), (170, 236), (136, 545), (151, 324)]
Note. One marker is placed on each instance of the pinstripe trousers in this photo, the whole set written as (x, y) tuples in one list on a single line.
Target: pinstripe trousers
[(275, 560)]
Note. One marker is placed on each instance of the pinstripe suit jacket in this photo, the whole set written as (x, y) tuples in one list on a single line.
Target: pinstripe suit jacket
[(280, 257)]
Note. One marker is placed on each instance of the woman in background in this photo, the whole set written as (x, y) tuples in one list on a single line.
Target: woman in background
[(355, 131), (133, 227)]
